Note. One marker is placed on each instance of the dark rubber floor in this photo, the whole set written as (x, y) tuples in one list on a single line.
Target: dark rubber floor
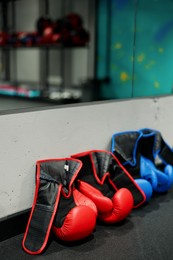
[(147, 234)]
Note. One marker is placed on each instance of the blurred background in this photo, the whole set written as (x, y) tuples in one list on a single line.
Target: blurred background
[(71, 51)]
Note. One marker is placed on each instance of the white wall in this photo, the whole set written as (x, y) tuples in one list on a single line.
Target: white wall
[(62, 131)]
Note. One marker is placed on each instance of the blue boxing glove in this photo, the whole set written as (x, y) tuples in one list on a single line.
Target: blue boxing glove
[(160, 181), (146, 187)]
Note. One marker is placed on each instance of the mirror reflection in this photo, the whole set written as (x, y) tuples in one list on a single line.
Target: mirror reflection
[(63, 52), (140, 48)]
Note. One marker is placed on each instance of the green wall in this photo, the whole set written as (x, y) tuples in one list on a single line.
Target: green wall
[(135, 38)]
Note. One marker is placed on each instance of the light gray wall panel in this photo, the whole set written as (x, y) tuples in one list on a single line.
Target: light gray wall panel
[(60, 132)]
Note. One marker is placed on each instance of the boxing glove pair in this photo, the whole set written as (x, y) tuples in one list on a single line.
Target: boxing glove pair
[(139, 151), (160, 158), (108, 184)]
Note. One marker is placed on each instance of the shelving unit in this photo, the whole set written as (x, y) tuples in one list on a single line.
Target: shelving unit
[(55, 72)]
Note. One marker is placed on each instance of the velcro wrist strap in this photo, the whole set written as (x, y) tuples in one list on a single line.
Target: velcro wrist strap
[(43, 211)]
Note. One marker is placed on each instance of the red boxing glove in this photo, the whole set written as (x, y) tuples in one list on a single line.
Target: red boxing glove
[(76, 225), (94, 182), (110, 210)]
